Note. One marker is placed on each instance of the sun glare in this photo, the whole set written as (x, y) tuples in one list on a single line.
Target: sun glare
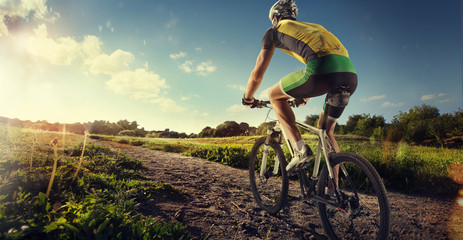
[(460, 198)]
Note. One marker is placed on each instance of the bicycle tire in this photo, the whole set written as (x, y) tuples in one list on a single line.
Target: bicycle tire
[(366, 216), (270, 191)]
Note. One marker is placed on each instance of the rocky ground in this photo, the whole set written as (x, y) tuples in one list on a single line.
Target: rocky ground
[(220, 204)]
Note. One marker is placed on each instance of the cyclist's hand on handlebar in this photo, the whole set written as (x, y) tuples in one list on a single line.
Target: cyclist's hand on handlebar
[(300, 101), (249, 102)]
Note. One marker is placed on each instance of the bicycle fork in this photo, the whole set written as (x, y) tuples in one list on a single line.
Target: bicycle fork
[(276, 166)]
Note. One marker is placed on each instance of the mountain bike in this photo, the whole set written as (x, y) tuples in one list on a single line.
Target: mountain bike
[(352, 201)]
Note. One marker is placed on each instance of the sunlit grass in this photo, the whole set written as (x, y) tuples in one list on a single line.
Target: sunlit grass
[(402, 166), (100, 204)]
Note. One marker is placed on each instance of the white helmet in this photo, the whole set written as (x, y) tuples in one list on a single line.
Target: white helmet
[(283, 8)]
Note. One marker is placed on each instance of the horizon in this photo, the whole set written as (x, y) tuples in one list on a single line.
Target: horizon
[(174, 130), (185, 66)]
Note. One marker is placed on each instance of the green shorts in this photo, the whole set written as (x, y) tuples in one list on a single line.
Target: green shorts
[(319, 66), (322, 75)]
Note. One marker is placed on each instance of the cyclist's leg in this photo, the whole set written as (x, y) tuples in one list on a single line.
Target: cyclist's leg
[(283, 112), (294, 85), (343, 86), (330, 125)]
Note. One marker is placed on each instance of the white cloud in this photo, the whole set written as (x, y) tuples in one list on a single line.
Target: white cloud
[(138, 83), (236, 108), (373, 98), (186, 66), (118, 61), (178, 55), (390, 104), (91, 46), (62, 51), (23, 9), (237, 87), (190, 66), (185, 98), (201, 114), (168, 105), (263, 95), (109, 26), (38, 48), (443, 100), (432, 96), (205, 68), (428, 97), (172, 21)]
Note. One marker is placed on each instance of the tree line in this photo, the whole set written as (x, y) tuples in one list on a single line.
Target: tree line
[(421, 125), (119, 128)]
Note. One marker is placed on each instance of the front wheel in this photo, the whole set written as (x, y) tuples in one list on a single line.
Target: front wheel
[(363, 211), (267, 175)]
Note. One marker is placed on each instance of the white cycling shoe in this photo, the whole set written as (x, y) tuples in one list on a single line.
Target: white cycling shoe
[(300, 160)]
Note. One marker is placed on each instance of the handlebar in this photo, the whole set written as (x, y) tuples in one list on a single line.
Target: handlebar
[(292, 103)]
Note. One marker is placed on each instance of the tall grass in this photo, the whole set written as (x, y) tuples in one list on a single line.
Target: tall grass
[(101, 204), (401, 166)]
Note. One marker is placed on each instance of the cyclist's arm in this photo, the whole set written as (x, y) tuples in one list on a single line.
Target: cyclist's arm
[(263, 60)]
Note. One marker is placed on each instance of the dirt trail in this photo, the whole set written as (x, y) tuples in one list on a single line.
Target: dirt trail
[(221, 205)]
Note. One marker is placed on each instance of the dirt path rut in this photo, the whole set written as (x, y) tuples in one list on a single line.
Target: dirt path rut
[(221, 205)]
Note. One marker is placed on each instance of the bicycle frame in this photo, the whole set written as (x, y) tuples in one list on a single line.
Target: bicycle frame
[(323, 148), (342, 205)]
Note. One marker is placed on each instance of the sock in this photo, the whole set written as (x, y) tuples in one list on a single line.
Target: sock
[(300, 145)]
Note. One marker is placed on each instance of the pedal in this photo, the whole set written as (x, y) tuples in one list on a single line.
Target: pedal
[(293, 171), (303, 165), (299, 166)]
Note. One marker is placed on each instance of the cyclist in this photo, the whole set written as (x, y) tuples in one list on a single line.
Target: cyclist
[(328, 70)]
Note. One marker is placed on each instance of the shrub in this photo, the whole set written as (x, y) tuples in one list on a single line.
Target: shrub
[(130, 133)]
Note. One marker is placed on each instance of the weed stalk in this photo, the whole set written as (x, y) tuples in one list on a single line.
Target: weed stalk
[(81, 157), (32, 154), (64, 138), (55, 164)]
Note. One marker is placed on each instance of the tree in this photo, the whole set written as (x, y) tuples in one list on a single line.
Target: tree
[(312, 120), (76, 128), (105, 127), (440, 127), (126, 125), (352, 122), (417, 113), (263, 127), (206, 132), (244, 129), (130, 133), (368, 126), (458, 128), (414, 123), (227, 129)]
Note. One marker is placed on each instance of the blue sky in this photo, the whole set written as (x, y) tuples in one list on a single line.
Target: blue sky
[(184, 65)]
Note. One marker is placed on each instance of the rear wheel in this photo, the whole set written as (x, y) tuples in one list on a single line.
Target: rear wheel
[(269, 181), (364, 211)]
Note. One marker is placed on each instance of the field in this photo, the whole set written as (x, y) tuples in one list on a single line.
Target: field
[(40, 199), (57, 192), (402, 167)]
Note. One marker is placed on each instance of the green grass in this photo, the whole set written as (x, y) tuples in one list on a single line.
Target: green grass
[(401, 166), (102, 203)]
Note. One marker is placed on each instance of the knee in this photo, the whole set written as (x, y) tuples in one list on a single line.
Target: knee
[(275, 94), (271, 93)]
